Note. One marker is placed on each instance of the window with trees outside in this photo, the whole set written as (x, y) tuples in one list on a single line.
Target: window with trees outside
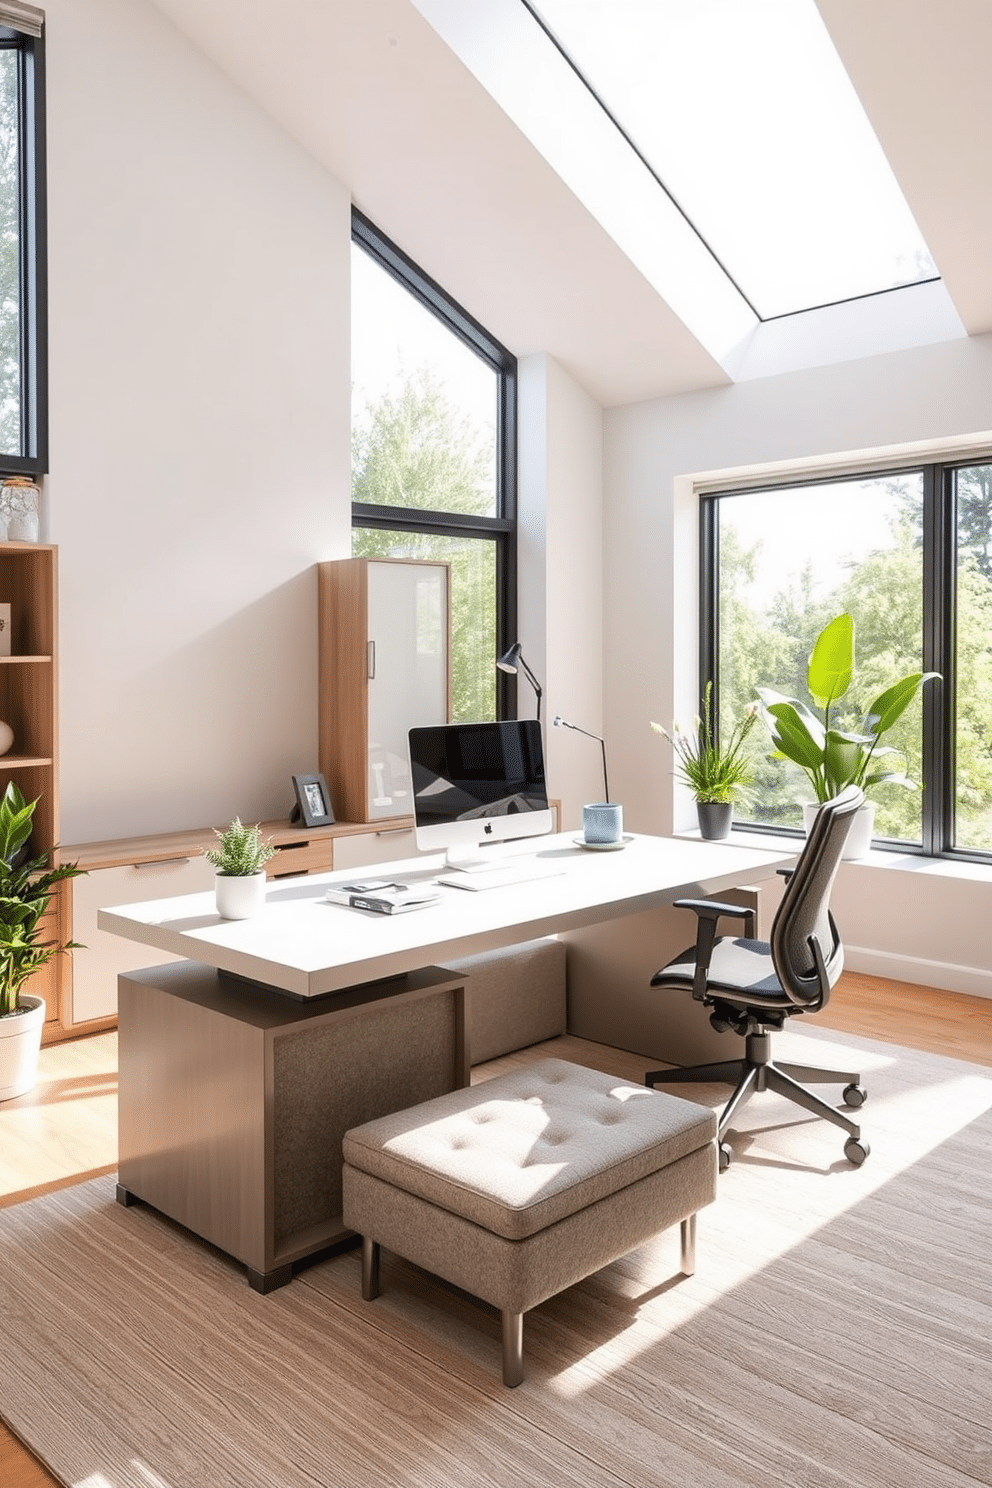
[(908, 554), (433, 454), (23, 411)]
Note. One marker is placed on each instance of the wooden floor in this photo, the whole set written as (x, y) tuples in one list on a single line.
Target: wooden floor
[(65, 1131)]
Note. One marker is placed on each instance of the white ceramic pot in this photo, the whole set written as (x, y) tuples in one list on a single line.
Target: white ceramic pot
[(858, 844), (238, 898), (20, 1044)]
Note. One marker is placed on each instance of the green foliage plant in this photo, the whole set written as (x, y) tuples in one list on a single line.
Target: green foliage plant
[(241, 852), (26, 889), (833, 758), (713, 772)]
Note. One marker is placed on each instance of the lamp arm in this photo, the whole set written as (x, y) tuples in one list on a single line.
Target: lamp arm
[(533, 682), (564, 723)]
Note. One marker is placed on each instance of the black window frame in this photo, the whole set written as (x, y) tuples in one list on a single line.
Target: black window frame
[(32, 458), (939, 584), (501, 529)]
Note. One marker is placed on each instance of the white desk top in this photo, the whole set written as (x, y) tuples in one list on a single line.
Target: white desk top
[(303, 945)]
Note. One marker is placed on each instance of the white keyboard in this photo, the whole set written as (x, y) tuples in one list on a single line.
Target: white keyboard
[(499, 878)]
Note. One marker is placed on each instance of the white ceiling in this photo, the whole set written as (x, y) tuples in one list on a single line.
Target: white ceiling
[(372, 91)]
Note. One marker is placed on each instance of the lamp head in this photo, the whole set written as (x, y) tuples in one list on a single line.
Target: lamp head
[(510, 660)]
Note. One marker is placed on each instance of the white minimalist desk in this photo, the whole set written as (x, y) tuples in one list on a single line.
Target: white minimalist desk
[(242, 1065)]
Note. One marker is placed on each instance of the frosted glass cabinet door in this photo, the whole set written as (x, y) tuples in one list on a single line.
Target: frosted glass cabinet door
[(408, 673)]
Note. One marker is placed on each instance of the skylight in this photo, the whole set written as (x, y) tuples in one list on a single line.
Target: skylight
[(744, 112)]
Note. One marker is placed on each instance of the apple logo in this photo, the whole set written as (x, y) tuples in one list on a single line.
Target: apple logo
[(488, 829)]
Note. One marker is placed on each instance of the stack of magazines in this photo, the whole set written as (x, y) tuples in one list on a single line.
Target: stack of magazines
[(383, 897)]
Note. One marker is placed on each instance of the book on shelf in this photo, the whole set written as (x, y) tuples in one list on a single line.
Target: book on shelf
[(384, 897)]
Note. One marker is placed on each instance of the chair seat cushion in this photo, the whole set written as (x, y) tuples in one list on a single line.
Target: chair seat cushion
[(741, 970), (521, 1151)]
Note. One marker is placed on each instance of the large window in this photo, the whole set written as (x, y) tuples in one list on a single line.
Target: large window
[(908, 554), (23, 411), (433, 455)]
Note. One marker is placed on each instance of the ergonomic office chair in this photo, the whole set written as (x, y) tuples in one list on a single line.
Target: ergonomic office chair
[(753, 986)]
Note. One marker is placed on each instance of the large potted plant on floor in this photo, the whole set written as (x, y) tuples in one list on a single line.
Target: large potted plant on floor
[(26, 888), (716, 772), (834, 758)]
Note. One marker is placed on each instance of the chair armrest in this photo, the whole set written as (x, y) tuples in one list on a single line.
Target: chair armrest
[(715, 909)]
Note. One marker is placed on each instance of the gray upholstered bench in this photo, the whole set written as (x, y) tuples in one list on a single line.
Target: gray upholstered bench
[(520, 1186)]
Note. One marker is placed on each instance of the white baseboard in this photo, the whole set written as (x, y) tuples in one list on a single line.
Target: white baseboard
[(970, 979)]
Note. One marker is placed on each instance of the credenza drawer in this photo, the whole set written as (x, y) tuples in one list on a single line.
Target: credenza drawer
[(374, 847), (101, 956)]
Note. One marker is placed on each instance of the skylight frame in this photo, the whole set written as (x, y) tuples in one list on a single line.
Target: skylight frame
[(748, 298)]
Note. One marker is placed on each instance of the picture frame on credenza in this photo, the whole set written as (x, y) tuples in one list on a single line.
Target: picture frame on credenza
[(313, 801)]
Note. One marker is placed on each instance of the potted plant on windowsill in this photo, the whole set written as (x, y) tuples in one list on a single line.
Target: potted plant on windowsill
[(240, 861), (833, 758), (717, 774), (26, 888)]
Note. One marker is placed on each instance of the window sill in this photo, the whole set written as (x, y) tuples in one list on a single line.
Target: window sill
[(955, 870)]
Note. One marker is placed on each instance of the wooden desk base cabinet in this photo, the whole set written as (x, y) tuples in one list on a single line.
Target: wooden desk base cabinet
[(233, 1098)]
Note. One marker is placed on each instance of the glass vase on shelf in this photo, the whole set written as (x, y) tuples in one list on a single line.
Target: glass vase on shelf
[(20, 509)]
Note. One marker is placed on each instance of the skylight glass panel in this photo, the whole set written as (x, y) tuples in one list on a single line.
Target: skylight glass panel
[(744, 112)]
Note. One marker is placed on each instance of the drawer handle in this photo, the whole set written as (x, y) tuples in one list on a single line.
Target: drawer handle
[(392, 831), (159, 862), (370, 660)]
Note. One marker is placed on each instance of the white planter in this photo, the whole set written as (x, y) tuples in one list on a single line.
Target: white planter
[(239, 898), (20, 1044), (858, 844)]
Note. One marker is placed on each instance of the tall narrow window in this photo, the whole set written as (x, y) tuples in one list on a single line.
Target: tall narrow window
[(433, 453), (23, 404)]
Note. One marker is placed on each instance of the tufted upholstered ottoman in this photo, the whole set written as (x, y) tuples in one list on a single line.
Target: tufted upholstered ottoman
[(520, 1186)]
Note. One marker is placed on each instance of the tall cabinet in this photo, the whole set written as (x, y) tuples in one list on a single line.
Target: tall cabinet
[(28, 704), (385, 667)]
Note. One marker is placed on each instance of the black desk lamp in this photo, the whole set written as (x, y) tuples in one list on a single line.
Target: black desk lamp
[(563, 723), (513, 662)]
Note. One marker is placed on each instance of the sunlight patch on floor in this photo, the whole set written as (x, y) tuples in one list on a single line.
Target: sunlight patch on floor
[(755, 1221)]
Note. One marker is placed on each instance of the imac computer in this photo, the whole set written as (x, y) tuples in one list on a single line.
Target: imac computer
[(476, 783)]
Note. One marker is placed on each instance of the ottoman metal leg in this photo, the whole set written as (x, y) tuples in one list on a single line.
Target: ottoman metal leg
[(370, 1269), (513, 1347), (688, 1262)]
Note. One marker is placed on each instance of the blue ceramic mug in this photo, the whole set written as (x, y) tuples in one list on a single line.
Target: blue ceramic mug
[(602, 823)]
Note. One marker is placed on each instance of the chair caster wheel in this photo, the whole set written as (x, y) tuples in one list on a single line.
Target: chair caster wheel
[(856, 1150), (855, 1095), (726, 1156)]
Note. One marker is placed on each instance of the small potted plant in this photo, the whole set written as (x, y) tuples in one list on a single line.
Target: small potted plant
[(716, 773), (240, 861), (833, 758), (26, 888)]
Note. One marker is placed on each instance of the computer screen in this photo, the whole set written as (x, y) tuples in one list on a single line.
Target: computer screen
[(476, 783)]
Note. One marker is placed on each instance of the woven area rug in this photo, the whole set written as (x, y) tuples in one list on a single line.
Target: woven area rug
[(838, 1331)]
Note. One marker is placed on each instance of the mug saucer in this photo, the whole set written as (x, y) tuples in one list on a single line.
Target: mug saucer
[(604, 846)]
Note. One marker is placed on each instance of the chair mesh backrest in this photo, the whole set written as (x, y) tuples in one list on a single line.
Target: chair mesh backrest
[(805, 907)]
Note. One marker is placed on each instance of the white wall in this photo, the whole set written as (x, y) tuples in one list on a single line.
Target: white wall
[(199, 347), (560, 552), (914, 924)]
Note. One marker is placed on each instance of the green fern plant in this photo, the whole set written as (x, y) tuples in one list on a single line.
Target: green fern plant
[(26, 890), (242, 851)]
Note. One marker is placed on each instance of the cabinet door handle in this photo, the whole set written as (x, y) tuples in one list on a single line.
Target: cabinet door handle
[(370, 659)]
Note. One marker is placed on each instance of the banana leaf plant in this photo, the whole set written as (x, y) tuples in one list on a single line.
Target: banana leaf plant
[(833, 758), (26, 889)]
